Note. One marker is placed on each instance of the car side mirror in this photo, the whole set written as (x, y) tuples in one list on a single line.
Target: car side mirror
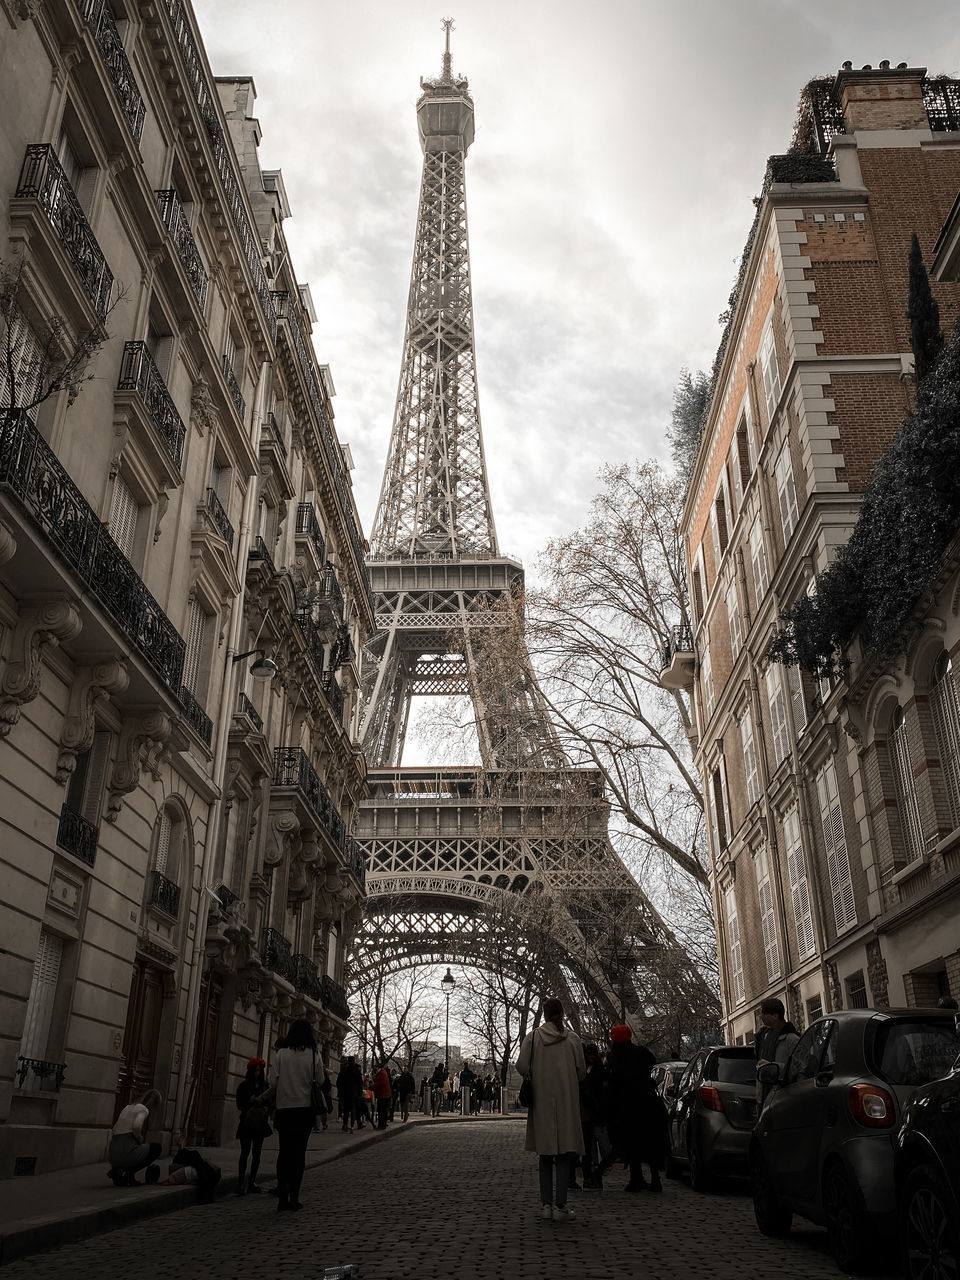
[(769, 1073)]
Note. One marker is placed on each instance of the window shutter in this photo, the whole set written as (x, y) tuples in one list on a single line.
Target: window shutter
[(736, 952), (946, 724), (25, 358), (835, 844), (95, 781), (733, 614), (749, 757), (778, 714), (771, 372), (123, 517), (758, 559), (786, 492), (768, 921), (797, 701), (195, 639), (164, 830), (910, 825), (706, 683), (799, 887), (34, 1042)]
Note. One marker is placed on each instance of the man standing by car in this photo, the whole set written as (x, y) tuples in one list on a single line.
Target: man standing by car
[(775, 1042)]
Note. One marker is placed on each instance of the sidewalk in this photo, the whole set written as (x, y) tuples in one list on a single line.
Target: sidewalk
[(53, 1209)]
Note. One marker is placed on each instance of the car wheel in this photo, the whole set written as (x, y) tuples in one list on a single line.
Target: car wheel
[(929, 1233), (773, 1216), (700, 1179), (850, 1243)]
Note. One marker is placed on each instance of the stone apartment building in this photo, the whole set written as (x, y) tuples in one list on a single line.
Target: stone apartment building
[(183, 596), (833, 808)]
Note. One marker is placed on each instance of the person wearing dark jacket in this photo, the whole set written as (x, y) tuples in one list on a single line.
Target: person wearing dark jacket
[(775, 1042), (349, 1092), (253, 1125), (406, 1088), (636, 1116), (593, 1116)]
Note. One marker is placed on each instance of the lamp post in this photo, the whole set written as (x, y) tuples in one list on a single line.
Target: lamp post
[(447, 984)]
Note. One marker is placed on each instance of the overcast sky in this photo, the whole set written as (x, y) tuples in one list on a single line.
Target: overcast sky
[(618, 147)]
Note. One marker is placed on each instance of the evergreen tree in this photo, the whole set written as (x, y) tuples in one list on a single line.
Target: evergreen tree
[(691, 398), (926, 338)]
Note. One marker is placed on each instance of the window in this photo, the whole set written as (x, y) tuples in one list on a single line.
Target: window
[(778, 714), (38, 1022), (799, 886), (786, 492), (835, 843), (768, 919), (814, 1008), (220, 481), (770, 371), (706, 684), (697, 592), (946, 724), (733, 615), (124, 514), (718, 812), (758, 558), (915, 1052), (809, 1054), (85, 788), (733, 941), (749, 757), (798, 702), (744, 453), (170, 860), (197, 629), (721, 530), (22, 373), (911, 829), (856, 989)]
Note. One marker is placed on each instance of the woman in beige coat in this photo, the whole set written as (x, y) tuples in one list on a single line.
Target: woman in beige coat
[(552, 1056)]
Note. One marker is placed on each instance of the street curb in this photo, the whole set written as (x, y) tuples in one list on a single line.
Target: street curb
[(50, 1232)]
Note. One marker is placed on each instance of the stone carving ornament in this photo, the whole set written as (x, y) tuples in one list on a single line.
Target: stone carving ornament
[(39, 624)]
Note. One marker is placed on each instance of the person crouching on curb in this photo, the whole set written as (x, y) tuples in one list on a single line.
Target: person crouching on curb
[(129, 1151)]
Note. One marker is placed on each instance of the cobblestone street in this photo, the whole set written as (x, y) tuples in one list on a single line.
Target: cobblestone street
[(452, 1202)]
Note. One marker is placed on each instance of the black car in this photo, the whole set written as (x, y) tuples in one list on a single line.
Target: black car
[(712, 1113), (823, 1145), (927, 1175)]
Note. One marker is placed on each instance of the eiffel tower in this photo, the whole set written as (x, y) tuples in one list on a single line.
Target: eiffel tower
[(518, 847)]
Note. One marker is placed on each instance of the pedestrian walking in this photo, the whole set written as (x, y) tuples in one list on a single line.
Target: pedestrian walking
[(774, 1043), (382, 1094), (636, 1117), (254, 1123), (129, 1151), (349, 1089), (406, 1089), (436, 1087), (293, 1073), (551, 1057), (593, 1117)]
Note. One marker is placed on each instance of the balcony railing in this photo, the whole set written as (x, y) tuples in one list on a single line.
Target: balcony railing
[(258, 551), (334, 998), (30, 468), (357, 864), (205, 97), (334, 695), (138, 372), (196, 717), (309, 525), (314, 637), (41, 1071), (678, 659), (233, 386), (165, 895), (291, 768), (275, 953), (42, 178), (277, 435), (342, 650), (330, 594), (226, 897), (305, 976), (77, 835), (680, 640), (97, 16), (941, 97), (246, 708), (175, 220), (219, 517)]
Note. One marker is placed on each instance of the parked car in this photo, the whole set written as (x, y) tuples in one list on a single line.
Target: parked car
[(926, 1166), (823, 1145), (665, 1076), (712, 1114)]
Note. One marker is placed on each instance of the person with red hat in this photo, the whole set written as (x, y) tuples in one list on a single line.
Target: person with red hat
[(254, 1123), (637, 1120)]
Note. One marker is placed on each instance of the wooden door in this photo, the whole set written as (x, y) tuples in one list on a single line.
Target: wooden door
[(141, 1035), (204, 1057)]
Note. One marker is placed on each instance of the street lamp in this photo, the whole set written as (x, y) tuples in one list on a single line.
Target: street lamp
[(447, 984)]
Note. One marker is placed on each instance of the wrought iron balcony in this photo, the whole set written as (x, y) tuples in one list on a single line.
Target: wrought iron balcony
[(678, 659), (357, 864), (226, 897), (309, 526), (292, 768), (342, 650), (30, 468), (334, 694), (42, 179), (138, 372), (77, 835), (275, 954), (165, 895), (205, 97), (175, 220), (334, 998), (312, 634), (97, 16), (258, 551), (41, 1071), (330, 596), (305, 976), (246, 708), (270, 422), (233, 386), (219, 517), (197, 718)]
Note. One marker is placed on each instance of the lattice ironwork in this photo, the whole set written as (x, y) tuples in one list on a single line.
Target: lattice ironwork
[(175, 220), (139, 372), (941, 97), (97, 16)]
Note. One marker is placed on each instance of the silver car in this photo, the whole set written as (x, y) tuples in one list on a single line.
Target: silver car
[(711, 1115)]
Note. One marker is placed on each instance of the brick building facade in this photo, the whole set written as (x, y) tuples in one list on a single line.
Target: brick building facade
[(818, 900)]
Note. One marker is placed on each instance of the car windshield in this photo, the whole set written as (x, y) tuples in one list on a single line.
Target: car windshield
[(917, 1051), (739, 1070)]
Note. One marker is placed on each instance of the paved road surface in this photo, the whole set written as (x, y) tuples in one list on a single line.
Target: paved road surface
[(457, 1202)]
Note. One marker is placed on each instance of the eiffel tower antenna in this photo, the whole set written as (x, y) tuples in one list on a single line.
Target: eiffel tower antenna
[(447, 25)]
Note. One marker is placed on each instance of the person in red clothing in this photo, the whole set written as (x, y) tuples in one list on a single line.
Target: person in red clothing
[(382, 1095)]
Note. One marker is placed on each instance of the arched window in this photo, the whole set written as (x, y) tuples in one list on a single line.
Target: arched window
[(911, 828), (946, 723), (169, 860)]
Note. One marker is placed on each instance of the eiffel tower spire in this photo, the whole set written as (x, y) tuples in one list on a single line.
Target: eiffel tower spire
[(435, 499)]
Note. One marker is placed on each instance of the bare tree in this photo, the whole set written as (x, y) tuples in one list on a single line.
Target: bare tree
[(391, 1013)]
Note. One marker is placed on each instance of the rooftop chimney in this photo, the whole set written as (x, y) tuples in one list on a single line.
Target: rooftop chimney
[(882, 97)]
